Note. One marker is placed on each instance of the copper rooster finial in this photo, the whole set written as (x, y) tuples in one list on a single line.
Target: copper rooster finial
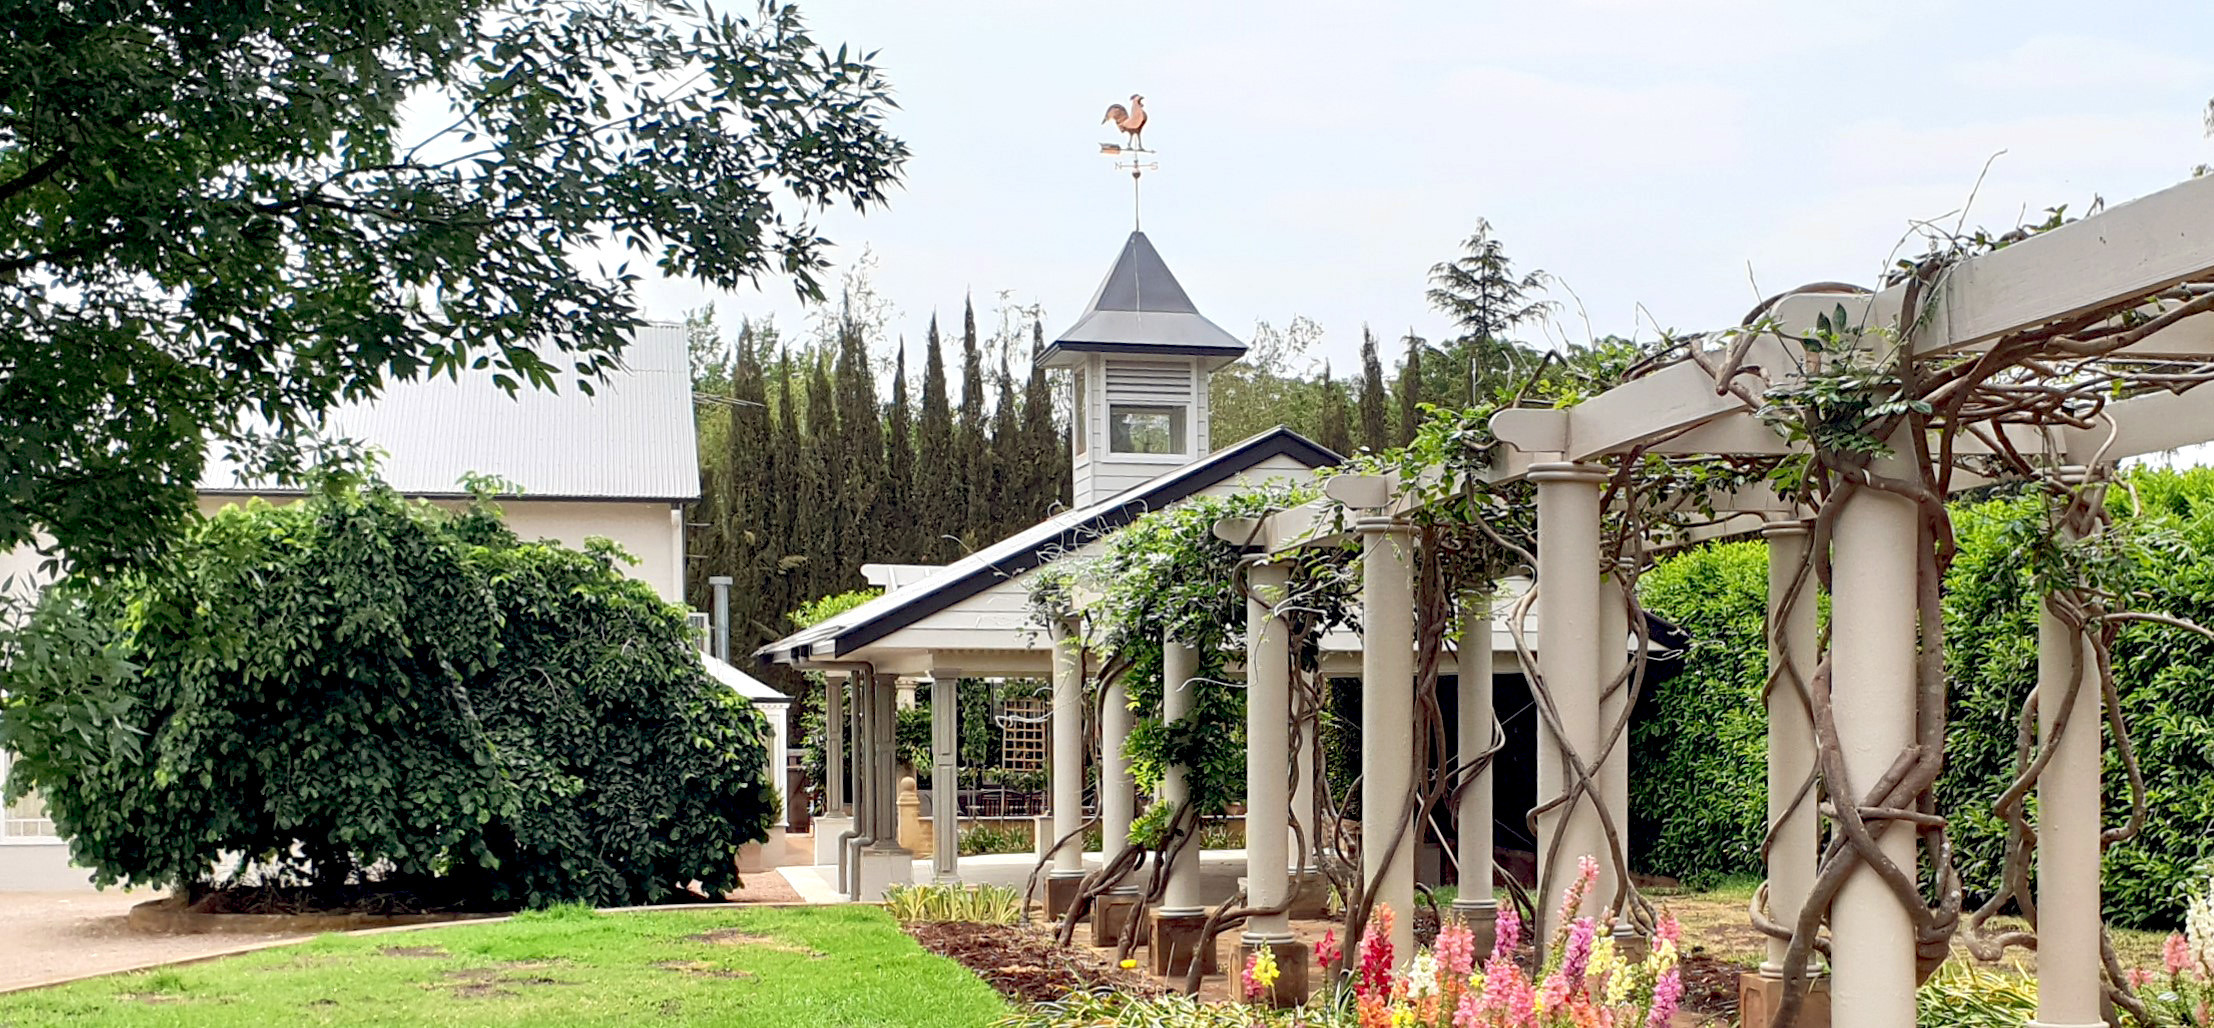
[(1130, 120)]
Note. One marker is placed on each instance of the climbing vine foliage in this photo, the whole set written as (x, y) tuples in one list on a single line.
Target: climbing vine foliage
[(360, 692)]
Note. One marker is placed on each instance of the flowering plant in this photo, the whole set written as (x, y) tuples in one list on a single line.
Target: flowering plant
[(2182, 991), (1584, 982)]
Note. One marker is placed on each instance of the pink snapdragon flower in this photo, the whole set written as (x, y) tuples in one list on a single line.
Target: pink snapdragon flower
[(2176, 954), (1668, 993), (1456, 949)]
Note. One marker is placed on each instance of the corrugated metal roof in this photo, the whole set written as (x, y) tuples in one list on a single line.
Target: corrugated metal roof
[(1141, 308), (631, 439)]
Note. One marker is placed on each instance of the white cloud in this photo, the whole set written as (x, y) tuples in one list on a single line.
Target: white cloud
[(2062, 63)]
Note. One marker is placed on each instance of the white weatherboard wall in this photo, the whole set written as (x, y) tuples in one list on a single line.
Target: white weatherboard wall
[(648, 530), (1179, 383)]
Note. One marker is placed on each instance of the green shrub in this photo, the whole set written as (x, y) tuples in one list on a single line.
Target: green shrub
[(1698, 788), (974, 904), (986, 837), (357, 687), (1966, 995), (1698, 785)]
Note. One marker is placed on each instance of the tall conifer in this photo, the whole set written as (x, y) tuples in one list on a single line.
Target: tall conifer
[(975, 466), (861, 440), (937, 475), (1410, 389), (1374, 435), (1337, 431), (900, 543)]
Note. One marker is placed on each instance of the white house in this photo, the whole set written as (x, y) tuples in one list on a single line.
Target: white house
[(620, 462)]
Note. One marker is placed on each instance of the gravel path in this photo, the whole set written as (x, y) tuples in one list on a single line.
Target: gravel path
[(50, 936)]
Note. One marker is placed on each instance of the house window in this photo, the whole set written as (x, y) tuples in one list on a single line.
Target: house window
[(26, 817), (1135, 429)]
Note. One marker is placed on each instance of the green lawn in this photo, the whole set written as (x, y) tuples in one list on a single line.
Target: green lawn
[(798, 966)]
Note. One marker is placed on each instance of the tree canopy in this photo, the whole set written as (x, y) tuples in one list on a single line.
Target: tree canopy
[(357, 691), (219, 220)]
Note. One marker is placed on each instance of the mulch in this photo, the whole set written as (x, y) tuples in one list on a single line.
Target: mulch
[(1710, 985), (1024, 963)]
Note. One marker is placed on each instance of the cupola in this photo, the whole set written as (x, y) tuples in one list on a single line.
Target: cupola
[(1139, 360)]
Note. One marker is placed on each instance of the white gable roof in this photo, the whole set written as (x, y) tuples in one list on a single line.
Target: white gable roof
[(631, 439)]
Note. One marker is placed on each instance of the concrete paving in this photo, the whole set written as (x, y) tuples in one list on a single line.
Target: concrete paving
[(59, 936)]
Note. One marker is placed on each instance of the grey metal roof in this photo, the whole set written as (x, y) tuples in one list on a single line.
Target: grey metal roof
[(1036, 545), (1141, 309), (631, 439)]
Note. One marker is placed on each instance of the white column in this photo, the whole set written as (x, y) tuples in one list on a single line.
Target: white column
[(1614, 768), (1268, 749), (1568, 660), (1473, 844), (1791, 639), (1068, 750), (1872, 618), (1387, 721), (2068, 826), (1117, 793), (834, 744), (945, 779), (1179, 665), (1303, 839)]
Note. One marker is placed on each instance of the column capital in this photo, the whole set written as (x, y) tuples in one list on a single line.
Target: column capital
[(1567, 471), (1381, 524), (1778, 525)]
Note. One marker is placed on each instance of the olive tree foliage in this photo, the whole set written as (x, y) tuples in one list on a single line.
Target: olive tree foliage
[(219, 220), (360, 689)]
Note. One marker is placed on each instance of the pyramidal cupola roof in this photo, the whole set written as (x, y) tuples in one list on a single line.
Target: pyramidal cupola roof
[(1141, 309)]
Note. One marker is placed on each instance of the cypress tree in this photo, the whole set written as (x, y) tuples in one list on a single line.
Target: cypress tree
[(790, 498), (823, 453), (937, 475), (1010, 464), (975, 463), (1043, 449), (1374, 436), (899, 469), (1337, 430), (744, 507), (861, 441), (1410, 390)]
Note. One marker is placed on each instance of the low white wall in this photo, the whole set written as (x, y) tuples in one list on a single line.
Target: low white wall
[(40, 867)]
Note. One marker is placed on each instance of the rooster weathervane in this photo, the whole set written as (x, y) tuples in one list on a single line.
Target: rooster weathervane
[(1131, 120)]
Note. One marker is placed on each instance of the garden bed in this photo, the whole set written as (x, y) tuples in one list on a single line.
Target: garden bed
[(1023, 963)]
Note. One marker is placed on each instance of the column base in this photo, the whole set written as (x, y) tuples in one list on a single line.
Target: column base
[(1176, 942), (1310, 895), (1060, 893), (881, 869), (1482, 918), (1759, 996), (1291, 986), (1110, 913), (827, 831)]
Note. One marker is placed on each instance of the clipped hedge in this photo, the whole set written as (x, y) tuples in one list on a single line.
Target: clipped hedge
[(359, 693), (1699, 788)]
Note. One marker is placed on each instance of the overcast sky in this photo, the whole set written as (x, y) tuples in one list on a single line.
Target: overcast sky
[(1318, 158)]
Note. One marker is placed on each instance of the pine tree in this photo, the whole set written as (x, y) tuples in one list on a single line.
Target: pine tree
[(901, 542), (938, 476), (1410, 389), (974, 446), (1337, 431), (1482, 295), (743, 550), (1375, 437)]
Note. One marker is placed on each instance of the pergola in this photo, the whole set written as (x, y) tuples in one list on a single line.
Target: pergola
[(2114, 289)]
